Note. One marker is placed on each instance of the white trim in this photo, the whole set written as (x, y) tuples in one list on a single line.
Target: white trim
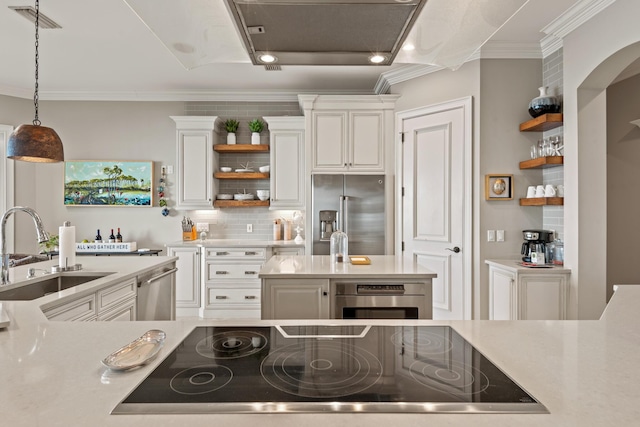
[(7, 182), (466, 104)]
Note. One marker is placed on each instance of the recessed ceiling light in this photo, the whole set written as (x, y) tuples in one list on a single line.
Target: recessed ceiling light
[(377, 59), (267, 59), (408, 47)]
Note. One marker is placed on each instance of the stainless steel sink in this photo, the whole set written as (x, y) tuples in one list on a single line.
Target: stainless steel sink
[(34, 290)]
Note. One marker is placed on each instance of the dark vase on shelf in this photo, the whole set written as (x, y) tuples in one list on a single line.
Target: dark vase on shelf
[(543, 104)]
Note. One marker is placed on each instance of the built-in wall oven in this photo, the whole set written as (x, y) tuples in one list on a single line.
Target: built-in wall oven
[(382, 301)]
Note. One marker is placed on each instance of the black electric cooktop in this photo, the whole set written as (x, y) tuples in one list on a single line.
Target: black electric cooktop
[(293, 369)]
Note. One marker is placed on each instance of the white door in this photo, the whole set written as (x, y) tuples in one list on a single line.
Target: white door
[(436, 207)]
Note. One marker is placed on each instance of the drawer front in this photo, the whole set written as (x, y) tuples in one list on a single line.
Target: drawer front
[(287, 251), (81, 309), (116, 293), (236, 253), (217, 272), (233, 296)]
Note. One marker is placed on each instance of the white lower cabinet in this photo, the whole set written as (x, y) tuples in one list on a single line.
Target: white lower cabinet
[(231, 283), (188, 288), (115, 302), (295, 299), (518, 294)]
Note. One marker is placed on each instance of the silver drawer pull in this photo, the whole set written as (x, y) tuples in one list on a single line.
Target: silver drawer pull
[(250, 297), (222, 272), (250, 272), (251, 253), (222, 297), (222, 253)]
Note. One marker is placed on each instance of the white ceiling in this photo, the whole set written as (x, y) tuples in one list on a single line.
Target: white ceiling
[(105, 51)]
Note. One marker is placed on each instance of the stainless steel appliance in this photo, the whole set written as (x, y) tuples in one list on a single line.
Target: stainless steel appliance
[(355, 368), (382, 301), (353, 204), (535, 241), (156, 298)]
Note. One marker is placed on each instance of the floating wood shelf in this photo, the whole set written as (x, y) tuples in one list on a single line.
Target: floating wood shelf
[(542, 201), (241, 148), (239, 203), (241, 175), (542, 123), (542, 162)]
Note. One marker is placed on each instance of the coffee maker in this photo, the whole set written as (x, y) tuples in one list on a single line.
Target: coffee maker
[(535, 241)]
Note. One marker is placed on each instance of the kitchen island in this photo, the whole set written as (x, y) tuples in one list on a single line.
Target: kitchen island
[(313, 287)]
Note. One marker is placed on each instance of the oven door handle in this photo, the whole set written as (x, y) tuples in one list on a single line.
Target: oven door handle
[(361, 335)]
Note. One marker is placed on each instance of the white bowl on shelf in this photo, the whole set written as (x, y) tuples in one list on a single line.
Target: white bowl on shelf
[(243, 196), (263, 194), (225, 169), (224, 196), (264, 169)]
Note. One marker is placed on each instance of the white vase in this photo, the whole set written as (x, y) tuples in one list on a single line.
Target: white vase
[(255, 138), (231, 138)]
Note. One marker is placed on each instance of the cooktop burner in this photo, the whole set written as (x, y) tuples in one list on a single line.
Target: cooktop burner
[(352, 368)]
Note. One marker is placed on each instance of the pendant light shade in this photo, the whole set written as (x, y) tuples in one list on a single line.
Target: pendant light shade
[(34, 143)]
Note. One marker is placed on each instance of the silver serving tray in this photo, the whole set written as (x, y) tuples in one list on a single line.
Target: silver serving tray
[(137, 353)]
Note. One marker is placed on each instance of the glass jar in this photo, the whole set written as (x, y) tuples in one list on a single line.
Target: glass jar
[(558, 253), (339, 247)]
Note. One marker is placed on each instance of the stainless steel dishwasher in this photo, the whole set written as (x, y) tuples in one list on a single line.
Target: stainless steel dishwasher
[(157, 294)]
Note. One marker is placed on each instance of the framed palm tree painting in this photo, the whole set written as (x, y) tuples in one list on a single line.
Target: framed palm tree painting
[(108, 183)]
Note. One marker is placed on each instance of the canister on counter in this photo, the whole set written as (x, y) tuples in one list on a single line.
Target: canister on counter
[(276, 230)]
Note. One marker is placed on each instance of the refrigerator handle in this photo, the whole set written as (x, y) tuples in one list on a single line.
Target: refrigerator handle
[(340, 220), (345, 218)]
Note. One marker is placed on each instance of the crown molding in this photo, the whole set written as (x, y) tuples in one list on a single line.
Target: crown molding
[(508, 50), (408, 72), (571, 19)]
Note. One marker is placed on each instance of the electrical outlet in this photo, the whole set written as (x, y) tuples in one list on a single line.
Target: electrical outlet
[(491, 235), (249, 228), (499, 235), (202, 226), (169, 170)]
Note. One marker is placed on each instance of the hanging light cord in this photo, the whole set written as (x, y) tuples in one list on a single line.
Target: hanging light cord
[(36, 121)]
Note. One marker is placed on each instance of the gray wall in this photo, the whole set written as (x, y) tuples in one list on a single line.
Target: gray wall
[(623, 183), (127, 131)]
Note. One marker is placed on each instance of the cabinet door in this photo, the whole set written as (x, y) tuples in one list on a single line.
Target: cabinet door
[(287, 169), (502, 294), (366, 141), (123, 312), (81, 309), (187, 276), (295, 299), (542, 297), (329, 141), (195, 170)]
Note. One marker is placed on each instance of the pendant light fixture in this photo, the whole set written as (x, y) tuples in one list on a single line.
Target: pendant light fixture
[(35, 143)]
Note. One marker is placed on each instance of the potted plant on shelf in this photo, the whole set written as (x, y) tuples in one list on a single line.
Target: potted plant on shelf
[(231, 125), (256, 126)]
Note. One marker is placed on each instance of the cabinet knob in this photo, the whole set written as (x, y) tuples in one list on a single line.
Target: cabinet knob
[(222, 253), (454, 249), (324, 293), (249, 297), (222, 272), (251, 253), (221, 297), (250, 272)]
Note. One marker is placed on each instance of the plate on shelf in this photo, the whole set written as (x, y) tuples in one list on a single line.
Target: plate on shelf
[(244, 170), (137, 353), (224, 196), (243, 196)]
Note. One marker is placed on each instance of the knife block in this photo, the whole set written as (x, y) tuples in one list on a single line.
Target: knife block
[(189, 235)]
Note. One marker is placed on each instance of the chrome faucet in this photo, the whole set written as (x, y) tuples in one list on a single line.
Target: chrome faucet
[(43, 236)]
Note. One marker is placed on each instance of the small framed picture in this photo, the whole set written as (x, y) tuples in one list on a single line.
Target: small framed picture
[(498, 187)]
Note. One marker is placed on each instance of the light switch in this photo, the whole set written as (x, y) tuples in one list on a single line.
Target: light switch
[(500, 235), (491, 235)]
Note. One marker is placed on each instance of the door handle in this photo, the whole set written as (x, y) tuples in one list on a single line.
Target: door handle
[(455, 249)]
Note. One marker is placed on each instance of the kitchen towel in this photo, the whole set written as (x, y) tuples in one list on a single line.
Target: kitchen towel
[(67, 243)]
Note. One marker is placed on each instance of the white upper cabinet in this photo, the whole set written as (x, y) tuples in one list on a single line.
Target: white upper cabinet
[(195, 139), (287, 162), (349, 133)]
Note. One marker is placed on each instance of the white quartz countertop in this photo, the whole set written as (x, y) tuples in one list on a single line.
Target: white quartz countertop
[(514, 265), (585, 372), (230, 243), (320, 266)]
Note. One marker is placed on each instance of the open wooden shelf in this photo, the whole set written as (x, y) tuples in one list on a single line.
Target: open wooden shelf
[(542, 162), (241, 148), (542, 201), (241, 175), (542, 123), (239, 203)]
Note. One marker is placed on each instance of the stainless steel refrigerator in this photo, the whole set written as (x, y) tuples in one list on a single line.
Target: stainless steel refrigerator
[(353, 204)]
